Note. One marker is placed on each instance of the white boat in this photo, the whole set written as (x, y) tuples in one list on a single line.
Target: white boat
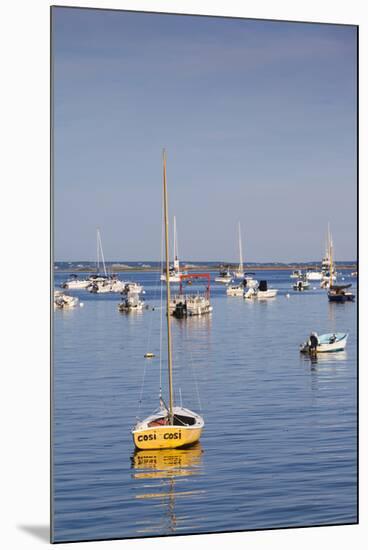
[(171, 426), (103, 283), (265, 294), (314, 275), (224, 277), (131, 302), (331, 342), (296, 274), (74, 283), (301, 284), (187, 305), (190, 305), (174, 270), (235, 290), (328, 266), (132, 287), (63, 301), (261, 292), (250, 282)]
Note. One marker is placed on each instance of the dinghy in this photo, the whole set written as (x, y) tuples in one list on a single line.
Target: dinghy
[(330, 342)]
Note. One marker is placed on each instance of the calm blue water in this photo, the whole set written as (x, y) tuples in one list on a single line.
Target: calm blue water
[(279, 444)]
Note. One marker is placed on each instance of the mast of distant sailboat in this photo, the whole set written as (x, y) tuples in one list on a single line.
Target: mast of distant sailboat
[(240, 252), (99, 249), (330, 255)]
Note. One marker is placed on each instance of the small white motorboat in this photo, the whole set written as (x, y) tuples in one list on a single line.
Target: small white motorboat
[(131, 303), (261, 291), (301, 284), (330, 342), (224, 277), (235, 290), (296, 274), (74, 283), (314, 275), (63, 301), (132, 287)]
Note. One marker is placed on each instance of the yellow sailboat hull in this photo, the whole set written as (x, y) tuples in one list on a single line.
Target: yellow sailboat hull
[(166, 437)]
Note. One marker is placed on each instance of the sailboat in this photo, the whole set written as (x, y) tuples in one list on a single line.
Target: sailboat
[(171, 426), (329, 272), (239, 274), (248, 281), (174, 270), (100, 284)]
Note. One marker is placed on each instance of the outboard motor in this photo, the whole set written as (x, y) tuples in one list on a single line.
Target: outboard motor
[(313, 339), (180, 310), (262, 286)]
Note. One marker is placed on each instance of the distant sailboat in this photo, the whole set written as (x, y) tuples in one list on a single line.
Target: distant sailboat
[(328, 266), (174, 270), (247, 278), (171, 426), (239, 274), (103, 283)]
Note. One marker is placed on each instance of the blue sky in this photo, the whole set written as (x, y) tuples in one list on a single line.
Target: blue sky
[(258, 119)]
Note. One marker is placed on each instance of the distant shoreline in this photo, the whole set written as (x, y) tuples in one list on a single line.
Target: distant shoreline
[(265, 267)]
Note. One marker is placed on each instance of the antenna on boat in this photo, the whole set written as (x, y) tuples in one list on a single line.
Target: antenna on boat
[(169, 350)]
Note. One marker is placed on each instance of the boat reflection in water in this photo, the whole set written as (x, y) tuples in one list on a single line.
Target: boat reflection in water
[(165, 476), (327, 360)]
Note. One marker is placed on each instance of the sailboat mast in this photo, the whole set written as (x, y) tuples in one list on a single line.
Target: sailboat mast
[(169, 350), (102, 254), (174, 251), (240, 252), (331, 256), (98, 253)]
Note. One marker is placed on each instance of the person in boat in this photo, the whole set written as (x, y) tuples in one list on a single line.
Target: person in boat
[(332, 339), (313, 342)]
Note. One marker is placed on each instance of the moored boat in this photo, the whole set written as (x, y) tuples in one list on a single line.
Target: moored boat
[(239, 273), (186, 305), (131, 302), (301, 284), (171, 426), (261, 291), (224, 276), (314, 275), (235, 290), (74, 283), (64, 301), (328, 265), (174, 269), (339, 293), (330, 342)]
